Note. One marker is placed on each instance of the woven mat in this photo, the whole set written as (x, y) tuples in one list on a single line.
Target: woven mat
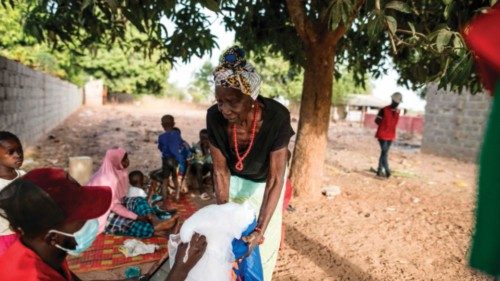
[(104, 253)]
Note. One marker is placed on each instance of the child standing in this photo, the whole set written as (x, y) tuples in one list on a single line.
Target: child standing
[(169, 143), (185, 151), (11, 159), (184, 165)]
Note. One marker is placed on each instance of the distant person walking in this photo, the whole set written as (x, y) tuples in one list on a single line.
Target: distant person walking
[(387, 121)]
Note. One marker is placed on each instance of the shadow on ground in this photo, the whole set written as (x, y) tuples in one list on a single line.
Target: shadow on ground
[(331, 263)]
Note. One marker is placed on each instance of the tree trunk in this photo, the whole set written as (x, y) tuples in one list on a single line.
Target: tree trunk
[(310, 148)]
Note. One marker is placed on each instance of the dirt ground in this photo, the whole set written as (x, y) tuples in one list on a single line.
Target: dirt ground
[(414, 226)]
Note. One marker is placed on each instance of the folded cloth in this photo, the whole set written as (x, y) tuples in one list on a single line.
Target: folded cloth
[(134, 247)]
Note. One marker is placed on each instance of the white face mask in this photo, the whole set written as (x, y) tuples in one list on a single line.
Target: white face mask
[(83, 237)]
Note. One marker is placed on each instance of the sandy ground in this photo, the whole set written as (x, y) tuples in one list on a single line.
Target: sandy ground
[(414, 226)]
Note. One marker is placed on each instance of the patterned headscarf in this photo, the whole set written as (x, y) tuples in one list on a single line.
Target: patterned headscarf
[(235, 72)]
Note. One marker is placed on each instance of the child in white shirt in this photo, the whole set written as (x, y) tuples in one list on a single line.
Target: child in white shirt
[(136, 180), (11, 159)]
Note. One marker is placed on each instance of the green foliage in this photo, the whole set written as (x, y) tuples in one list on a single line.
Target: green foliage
[(202, 84), (422, 37), (425, 42), (15, 45), (278, 77), (281, 78), (124, 70), (82, 24), (346, 86), (175, 92)]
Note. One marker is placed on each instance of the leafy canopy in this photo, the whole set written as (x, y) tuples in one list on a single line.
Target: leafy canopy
[(124, 70), (421, 37), (82, 24)]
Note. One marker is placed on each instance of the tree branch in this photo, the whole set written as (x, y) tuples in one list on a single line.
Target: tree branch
[(391, 35), (343, 27), (304, 27)]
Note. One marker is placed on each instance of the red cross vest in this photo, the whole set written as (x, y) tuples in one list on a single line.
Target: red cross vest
[(387, 128)]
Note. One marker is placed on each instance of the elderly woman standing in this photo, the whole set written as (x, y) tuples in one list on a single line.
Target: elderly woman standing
[(249, 136)]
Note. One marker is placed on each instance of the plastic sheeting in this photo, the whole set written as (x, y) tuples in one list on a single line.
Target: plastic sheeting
[(249, 268), (221, 225)]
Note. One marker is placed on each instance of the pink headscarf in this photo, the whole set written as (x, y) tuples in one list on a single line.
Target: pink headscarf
[(112, 174)]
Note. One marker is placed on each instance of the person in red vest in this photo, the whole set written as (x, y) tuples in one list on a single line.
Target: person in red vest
[(387, 121)]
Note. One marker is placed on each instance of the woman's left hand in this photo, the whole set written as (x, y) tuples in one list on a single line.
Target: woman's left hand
[(254, 239)]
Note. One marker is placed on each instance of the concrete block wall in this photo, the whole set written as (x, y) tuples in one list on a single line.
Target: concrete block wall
[(454, 123), (31, 102)]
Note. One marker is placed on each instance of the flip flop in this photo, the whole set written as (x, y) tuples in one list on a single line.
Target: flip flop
[(205, 197)]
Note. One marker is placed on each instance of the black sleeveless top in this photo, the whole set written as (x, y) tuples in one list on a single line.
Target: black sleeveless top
[(274, 134)]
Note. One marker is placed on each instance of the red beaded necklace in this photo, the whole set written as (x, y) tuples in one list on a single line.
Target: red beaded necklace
[(239, 164)]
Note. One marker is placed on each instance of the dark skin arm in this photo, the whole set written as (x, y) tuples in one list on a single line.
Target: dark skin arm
[(150, 194), (180, 270), (144, 219), (151, 190), (274, 185), (221, 175), (379, 117)]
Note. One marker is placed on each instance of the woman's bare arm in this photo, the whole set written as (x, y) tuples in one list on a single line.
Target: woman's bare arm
[(221, 175), (274, 185)]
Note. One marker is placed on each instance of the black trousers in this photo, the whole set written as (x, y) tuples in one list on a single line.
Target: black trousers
[(169, 167), (383, 163)]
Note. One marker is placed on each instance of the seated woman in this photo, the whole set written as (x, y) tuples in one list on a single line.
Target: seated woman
[(130, 216)]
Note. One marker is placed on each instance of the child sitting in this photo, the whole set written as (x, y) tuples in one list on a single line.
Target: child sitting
[(136, 189), (130, 216), (169, 143), (11, 159), (201, 163), (136, 180)]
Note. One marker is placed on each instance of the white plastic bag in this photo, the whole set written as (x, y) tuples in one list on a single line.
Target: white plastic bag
[(220, 224)]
